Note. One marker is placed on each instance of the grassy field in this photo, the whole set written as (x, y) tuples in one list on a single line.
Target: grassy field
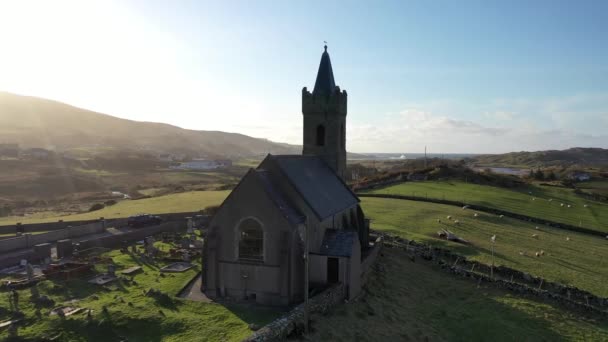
[(537, 201), (582, 261), (414, 302), (599, 187), (181, 202), (130, 314)]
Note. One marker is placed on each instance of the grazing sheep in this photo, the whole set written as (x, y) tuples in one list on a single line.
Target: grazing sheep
[(449, 217), (550, 199), (542, 252), (533, 198), (522, 253), (569, 206), (536, 228), (501, 216), (465, 207), (567, 238), (537, 254), (456, 222), (493, 238), (561, 204), (586, 205), (438, 221), (475, 215), (535, 236)]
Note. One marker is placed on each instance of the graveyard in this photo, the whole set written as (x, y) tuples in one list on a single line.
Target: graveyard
[(131, 293)]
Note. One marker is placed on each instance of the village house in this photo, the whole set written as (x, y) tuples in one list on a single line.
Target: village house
[(257, 240)]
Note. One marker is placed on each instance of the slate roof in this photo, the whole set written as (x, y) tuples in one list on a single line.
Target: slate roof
[(317, 183), (325, 84), (338, 242), (277, 196)]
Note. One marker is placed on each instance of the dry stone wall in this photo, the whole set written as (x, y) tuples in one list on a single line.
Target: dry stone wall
[(504, 277)]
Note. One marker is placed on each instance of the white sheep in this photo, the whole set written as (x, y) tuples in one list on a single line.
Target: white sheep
[(586, 205), (456, 222), (542, 252), (550, 199), (537, 254), (438, 221), (536, 228), (535, 236), (449, 217), (569, 206), (501, 216), (475, 215), (567, 238), (522, 253), (533, 198), (561, 204), (465, 207)]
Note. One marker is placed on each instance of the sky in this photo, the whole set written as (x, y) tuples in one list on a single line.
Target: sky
[(455, 76)]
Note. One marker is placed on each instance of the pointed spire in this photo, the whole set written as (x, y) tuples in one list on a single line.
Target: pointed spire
[(325, 84)]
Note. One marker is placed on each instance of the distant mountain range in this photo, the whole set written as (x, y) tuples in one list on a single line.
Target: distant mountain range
[(35, 122), (573, 156)]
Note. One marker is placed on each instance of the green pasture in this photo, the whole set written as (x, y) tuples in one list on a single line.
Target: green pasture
[(543, 202), (570, 258)]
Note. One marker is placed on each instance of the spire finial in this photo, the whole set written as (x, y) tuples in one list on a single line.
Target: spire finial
[(325, 46)]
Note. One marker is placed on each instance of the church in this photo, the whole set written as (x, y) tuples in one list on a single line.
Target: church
[(256, 243)]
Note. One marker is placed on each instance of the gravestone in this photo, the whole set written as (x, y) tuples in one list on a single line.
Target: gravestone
[(190, 225), (111, 269), (30, 272), (65, 248)]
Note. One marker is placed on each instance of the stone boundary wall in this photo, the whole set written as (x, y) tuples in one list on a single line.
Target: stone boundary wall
[(29, 240), (370, 259), (112, 222), (293, 321), (565, 226), (504, 277), (116, 241)]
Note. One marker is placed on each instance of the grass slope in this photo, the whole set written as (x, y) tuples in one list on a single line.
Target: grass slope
[(582, 261), (174, 203), (180, 320), (413, 302), (595, 216)]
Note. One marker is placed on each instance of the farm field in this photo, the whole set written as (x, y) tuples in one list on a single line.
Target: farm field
[(181, 202), (409, 301), (132, 315), (536, 201), (582, 261), (599, 187)]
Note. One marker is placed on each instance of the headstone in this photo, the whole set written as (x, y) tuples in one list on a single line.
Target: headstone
[(186, 256), (190, 225), (65, 248), (30, 272), (111, 269)]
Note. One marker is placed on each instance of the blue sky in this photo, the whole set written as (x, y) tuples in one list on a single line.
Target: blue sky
[(457, 76)]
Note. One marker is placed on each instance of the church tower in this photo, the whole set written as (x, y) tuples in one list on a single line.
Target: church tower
[(324, 112)]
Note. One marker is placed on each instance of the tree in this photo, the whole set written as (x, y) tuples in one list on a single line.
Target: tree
[(539, 175), (551, 176)]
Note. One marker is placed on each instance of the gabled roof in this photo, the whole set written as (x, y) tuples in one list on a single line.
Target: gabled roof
[(324, 192), (325, 84), (338, 242), (275, 194)]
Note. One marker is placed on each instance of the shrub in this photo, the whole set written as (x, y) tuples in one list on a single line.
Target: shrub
[(97, 206), (109, 202)]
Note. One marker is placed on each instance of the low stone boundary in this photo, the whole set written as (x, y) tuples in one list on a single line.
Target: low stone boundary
[(110, 222), (565, 226), (293, 321), (369, 259), (29, 240), (116, 241), (519, 282)]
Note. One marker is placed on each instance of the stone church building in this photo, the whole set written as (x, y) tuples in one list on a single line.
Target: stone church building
[(255, 245)]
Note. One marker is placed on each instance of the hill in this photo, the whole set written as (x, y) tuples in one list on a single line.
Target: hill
[(543, 202), (35, 122), (573, 156)]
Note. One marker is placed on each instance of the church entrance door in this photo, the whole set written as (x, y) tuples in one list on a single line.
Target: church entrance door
[(333, 267)]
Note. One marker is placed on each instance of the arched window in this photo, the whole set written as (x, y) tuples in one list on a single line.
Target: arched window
[(320, 135), (251, 240)]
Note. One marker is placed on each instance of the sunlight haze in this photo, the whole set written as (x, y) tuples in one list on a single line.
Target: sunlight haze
[(487, 77)]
